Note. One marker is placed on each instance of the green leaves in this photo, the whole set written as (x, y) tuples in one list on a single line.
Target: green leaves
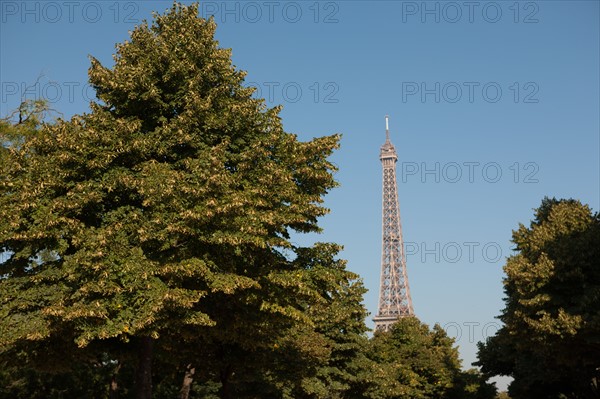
[(552, 304), (160, 214), (412, 361)]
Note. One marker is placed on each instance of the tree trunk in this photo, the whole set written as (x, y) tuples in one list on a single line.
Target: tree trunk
[(113, 388), (225, 374), (143, 378), (188, 378)]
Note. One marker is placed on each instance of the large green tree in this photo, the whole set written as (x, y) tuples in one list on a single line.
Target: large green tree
[(162, 218), (550, 341)]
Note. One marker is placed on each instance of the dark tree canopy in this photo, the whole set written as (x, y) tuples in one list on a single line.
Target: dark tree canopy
[(550, 343)]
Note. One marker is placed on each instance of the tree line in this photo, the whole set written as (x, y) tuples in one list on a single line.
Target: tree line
[(146, 252)]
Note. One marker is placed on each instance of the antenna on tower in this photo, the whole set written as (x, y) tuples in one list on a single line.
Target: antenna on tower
[(387, 128)]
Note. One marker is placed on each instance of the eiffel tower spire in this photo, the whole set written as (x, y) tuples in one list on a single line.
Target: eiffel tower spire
[(394, 292)]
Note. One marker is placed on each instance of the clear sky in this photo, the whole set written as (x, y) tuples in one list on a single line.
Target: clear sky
[(493, 105)]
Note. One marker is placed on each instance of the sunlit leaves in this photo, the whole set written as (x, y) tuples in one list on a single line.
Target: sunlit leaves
[(165, 210)]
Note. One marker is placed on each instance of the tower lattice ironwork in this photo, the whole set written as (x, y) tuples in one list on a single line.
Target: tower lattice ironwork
[(394, 292)]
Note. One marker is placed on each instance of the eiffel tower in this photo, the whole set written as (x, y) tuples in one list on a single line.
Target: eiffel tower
[(394, 293)]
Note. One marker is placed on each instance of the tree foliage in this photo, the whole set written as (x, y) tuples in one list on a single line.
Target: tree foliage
[(412, 361), (166, 210), (146, 246), (550, 342)]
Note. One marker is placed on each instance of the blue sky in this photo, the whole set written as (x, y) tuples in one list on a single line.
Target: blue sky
[(493, 105)]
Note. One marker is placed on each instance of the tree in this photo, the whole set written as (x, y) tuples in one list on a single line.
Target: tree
[(161, 219), (550, 340), (312, 360), (412, 361), (322, 361), (17, 379)]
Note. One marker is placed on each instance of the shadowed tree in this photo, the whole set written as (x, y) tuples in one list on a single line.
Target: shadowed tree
[(550, 343), (412, 361)]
